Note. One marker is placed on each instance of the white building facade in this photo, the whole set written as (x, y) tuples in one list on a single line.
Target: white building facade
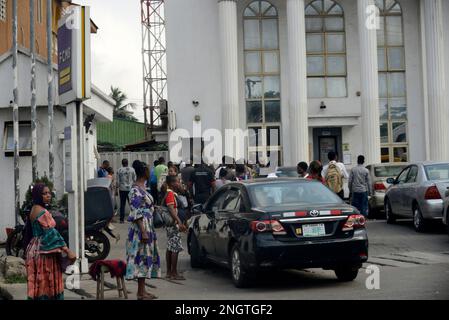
[(100, 104), (313, 76)]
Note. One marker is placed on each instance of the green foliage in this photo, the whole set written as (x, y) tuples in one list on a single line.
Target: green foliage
[(121, 109)]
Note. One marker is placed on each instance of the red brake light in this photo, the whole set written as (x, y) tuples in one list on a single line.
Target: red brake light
[(379, 186), (432, 193), (273, 226), (354, 221)]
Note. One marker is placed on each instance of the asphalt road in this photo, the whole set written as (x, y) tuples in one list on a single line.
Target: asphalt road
[(411, 266)]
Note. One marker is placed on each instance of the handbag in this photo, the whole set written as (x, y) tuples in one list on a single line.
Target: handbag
[(162, 216), (158, 222)]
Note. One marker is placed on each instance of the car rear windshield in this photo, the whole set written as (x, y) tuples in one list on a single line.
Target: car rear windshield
[(292, 193), (387, 171), (437, 172)]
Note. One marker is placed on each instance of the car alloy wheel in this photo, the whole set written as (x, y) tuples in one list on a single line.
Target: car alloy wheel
[(240, 276), (388, 214), (418, 220), (236, 267)]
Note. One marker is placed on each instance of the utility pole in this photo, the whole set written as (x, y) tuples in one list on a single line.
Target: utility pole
[(50, 89), (15, 112), (33, 92)]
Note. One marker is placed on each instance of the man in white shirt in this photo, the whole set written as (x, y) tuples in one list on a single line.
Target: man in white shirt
[(333, 159)]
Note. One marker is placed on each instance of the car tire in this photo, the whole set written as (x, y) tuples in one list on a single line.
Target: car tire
[(447, 226), (372, 212), (239, 274), (418, 220), (389, 215), (346, 273), (196, 260)]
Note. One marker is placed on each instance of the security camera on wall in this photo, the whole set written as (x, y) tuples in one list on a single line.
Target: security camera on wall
[(163, 106)]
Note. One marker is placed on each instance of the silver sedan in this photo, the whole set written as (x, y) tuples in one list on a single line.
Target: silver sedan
[(417, 193), (446, 210)]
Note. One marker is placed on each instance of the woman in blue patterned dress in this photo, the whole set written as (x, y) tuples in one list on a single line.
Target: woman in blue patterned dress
[(141, 247)]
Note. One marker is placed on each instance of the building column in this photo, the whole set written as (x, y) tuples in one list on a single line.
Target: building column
[(299, 128), (369, 80), (227, 10), (436, 82)]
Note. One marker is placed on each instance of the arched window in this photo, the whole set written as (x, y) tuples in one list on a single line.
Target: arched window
[(262, 80), (326, 50), (392, 85)]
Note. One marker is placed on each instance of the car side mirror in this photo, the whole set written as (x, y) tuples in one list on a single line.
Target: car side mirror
[(391, 181), (447, 193)]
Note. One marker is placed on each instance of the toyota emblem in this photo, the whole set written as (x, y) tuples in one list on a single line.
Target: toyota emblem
[(314, 213)]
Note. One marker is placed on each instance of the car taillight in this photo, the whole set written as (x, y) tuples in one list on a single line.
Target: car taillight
[(273, 226), (380, 186), (432, 193), (354, 221)]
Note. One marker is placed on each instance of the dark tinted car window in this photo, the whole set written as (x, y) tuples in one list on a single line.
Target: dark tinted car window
[(231, 201), (216, 203), (292, 193)]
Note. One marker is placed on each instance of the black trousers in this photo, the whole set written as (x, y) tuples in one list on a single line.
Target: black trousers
[(123, 199), (154, 192)]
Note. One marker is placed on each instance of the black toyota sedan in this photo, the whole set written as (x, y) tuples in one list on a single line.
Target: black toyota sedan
[(281, 223)]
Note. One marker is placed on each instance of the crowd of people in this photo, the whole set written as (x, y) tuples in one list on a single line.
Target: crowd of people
[(333, 174), (177, 188)]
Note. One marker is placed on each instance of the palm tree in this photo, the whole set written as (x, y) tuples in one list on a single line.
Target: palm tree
[(121, 109)]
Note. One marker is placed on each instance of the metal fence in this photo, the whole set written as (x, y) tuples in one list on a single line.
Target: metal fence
[(115, 158)]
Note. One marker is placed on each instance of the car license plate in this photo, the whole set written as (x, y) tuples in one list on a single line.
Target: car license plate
[(314, 230)]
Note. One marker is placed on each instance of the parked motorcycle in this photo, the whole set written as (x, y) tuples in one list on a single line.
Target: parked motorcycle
[(98, 213)]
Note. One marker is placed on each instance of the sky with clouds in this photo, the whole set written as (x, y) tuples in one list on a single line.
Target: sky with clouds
[(116, 48)]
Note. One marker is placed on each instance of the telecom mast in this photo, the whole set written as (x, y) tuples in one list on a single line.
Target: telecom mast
[(154, 64)]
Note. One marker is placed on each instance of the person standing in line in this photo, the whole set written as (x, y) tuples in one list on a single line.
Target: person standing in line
[(334, 173), (143, 261), (186, 173), (112, 186), (241, 172), (315, 169), (360, 186), (302, 168), (222, 178), (102, 171), (203, 183), (161, 172), (174, 239), (126, 176), (153, 181), (223, 165)]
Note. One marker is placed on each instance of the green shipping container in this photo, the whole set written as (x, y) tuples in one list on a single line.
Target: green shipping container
[(120, 132)]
